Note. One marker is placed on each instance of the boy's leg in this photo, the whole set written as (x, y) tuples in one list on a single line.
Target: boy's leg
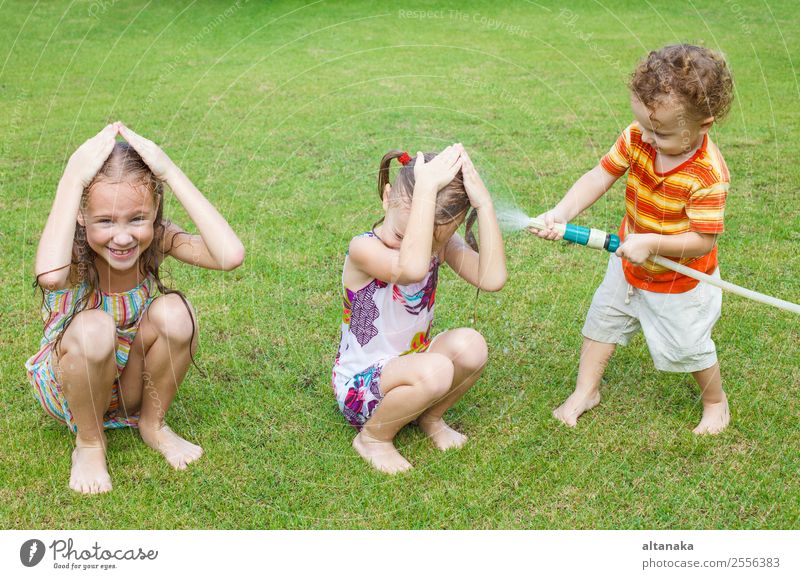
[(612, 319), (716, 414), (678, 329), (410, 384), (594, 359), (160, 356), (467, 349), (86, 369)]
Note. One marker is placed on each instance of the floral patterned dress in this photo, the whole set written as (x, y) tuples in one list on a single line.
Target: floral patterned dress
[(381, 321)]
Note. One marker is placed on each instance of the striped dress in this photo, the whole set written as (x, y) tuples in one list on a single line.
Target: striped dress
[(126, 308)]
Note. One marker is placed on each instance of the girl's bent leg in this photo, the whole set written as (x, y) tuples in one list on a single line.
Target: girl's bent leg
[(594, 359), (86, 365), (467, 349), (716, 414), (160, 356), (410, 384)]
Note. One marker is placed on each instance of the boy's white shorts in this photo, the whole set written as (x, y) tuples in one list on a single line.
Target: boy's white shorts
[(677, 327)]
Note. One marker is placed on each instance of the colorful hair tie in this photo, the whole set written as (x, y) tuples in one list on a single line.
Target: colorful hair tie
[(404, 159)]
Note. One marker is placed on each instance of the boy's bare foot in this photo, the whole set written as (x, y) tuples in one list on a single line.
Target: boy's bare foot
[(715, 417), (89, 473), (575, 405), (442, 435), (178, 451), (382, 455)]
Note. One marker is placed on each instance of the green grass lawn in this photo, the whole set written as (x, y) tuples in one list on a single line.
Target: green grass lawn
[(280, 113)]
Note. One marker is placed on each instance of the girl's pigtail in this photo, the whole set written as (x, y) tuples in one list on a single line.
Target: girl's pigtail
[(468, 235), (165, 291), (383, 171), (151, 262), (383, 178), (85, 271)]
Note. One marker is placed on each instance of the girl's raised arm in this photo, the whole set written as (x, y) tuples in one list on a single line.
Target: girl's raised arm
[(54, 254), (410, 264), (217, 246), (485, 270)]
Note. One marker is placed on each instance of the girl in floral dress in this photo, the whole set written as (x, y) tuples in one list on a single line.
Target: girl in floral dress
[(388, 371)]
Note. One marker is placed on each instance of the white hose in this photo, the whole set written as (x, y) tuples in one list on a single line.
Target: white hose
[(537, 223), (727, 286)]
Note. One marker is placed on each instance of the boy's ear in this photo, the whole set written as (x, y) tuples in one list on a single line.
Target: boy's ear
[(81, 220), (706, 124), (387, 189)]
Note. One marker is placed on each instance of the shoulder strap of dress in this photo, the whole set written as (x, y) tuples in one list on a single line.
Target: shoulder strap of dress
[(365, 234)]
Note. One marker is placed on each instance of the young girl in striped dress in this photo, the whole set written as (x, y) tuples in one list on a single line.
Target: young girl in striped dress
[(114, 352), (388, 371)]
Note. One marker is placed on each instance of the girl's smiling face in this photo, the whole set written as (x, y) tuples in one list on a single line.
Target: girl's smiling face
[(119, 220)]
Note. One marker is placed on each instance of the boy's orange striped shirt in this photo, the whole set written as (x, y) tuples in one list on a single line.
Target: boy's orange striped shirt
[(690, 197)]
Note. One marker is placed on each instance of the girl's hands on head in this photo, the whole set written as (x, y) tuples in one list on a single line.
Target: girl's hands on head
[(158, 161), (86, 161), (440, 170), (476, 190)]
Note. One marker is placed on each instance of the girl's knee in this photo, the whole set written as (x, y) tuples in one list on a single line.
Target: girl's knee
[(171, 318), (471, 351), (436, 375), (92, 334)]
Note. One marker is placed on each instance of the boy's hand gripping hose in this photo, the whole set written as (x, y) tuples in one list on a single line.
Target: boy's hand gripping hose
[(597, 239)]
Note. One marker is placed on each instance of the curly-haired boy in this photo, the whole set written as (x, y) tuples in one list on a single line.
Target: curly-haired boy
[(674, 207)]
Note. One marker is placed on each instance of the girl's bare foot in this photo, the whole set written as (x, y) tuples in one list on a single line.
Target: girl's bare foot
[(441, 434), (575, 405), (89, 473), (178, 451), (382, 455), (716, 417)]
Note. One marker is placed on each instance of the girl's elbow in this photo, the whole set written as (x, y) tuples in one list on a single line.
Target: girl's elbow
[(411, 275), (235, 260), (494, 285), (51, 281), (410, 270)]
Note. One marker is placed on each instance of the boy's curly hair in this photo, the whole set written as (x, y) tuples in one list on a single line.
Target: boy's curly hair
[(698, 77)]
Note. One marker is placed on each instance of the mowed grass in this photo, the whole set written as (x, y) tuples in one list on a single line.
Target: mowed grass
[(280, 113)]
